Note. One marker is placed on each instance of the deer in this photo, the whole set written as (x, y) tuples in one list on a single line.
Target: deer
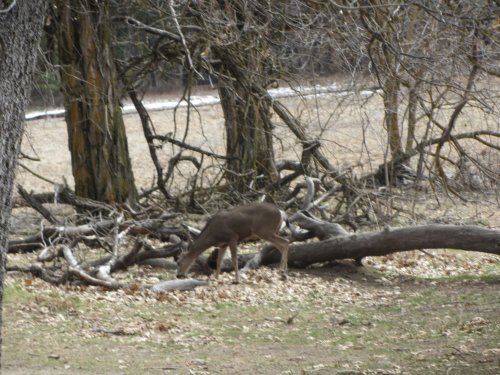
[(229, 227)]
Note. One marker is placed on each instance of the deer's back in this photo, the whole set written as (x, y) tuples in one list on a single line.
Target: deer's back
[(243, 222)]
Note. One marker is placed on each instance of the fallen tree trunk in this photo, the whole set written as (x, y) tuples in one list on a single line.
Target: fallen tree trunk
[(356, 246)]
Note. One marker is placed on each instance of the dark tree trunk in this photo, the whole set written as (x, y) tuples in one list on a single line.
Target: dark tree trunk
[(20, 30), (97, 141)]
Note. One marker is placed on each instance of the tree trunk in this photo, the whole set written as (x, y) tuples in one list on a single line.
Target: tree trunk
[(97, 141), (249, 145), (20, 30), (391, 123), (378, 22), (243, 75), (412, 117)]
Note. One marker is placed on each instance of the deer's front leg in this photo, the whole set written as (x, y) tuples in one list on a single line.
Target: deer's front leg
[(233, 247), (220, 257), (284, 258)]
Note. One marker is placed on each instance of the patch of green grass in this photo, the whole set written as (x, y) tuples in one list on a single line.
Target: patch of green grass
[(17, 293), (485, 277), (436, 297), (57, 303), (427, 297), (53, 300)]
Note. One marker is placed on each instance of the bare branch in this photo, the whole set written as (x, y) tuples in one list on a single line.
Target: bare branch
[(8, 9), (150, 29), (168, 138)]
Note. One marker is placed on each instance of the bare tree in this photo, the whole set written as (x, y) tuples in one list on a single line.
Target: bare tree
[(428, 59), (238, 35), (20, 30)]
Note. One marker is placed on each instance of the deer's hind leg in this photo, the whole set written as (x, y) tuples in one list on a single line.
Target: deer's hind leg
[(233, 247), (282, 245), (220, 256)]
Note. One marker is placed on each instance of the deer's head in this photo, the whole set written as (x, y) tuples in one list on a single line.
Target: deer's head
[(184, 260)]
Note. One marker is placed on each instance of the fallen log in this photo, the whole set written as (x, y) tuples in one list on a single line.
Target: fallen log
[(389, 240)]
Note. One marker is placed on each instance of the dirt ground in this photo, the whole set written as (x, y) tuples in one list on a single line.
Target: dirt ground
[(410, 313)]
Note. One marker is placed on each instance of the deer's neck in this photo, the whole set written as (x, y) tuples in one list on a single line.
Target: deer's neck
[(202, 243)]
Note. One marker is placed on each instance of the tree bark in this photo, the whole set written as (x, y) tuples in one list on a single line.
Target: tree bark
[(97, 141), (248, 138), (391, 89), (20, 31)]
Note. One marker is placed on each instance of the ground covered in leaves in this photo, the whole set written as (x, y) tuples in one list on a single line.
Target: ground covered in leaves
[(409, 313)]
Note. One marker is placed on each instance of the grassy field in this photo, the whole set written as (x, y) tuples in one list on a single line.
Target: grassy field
[(335, 319)]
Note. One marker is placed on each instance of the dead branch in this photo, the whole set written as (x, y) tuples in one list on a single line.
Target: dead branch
[(148, 130), (391, 166), (40, 272), (168, 138), (317, 228), (153, 227), (179, 284), (65, 195), (150, 29), (136, 256), (336, 243), (85, 277), (36, 205)]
